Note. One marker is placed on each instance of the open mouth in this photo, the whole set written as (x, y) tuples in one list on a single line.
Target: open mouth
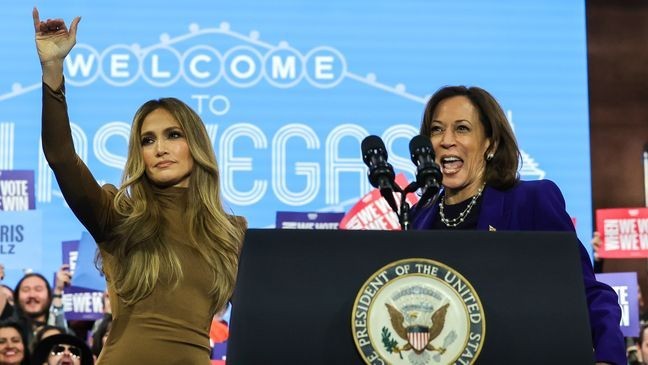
[(451, 164)]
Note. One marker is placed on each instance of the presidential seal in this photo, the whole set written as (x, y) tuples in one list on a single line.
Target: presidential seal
[(418, 311)]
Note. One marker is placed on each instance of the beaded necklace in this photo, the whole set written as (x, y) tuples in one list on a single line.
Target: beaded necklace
[(453, 222)]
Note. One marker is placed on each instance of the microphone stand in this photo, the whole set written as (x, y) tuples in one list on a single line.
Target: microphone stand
[(403, 212), (404, 215)]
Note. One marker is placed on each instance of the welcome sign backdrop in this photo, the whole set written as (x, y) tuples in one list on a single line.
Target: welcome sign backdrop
[(288, 90)]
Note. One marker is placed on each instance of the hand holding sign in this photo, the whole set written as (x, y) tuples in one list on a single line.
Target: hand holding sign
[(63, 278), (596, 245)]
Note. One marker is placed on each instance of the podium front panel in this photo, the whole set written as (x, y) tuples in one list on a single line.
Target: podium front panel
[(296, 290)]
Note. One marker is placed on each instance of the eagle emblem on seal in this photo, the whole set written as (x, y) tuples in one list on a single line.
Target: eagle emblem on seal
[(419, 337)]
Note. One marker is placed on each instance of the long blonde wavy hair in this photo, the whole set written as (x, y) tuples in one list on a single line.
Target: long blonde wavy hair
[(139, 252)]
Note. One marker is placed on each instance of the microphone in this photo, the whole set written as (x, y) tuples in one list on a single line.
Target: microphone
[(381, 173), (428, 174)]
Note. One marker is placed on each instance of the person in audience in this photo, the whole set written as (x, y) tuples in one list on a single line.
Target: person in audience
[(642, 347), (100, 334), (44, 332), (36, 303), (163, 235), (6, 297), (13, 348), (62, 349), (8, 293), (478, 155)]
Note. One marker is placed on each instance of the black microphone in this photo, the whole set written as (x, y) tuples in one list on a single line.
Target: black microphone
[(381, 173), (428, 173)]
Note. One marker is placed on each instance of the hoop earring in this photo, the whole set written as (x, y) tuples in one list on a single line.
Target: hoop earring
[(490, 156)]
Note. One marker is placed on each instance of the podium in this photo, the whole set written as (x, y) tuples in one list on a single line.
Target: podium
[(296, 290)]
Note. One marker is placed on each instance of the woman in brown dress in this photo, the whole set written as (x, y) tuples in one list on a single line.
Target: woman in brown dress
[(168, 249)]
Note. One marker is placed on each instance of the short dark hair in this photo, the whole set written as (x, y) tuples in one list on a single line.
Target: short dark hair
[(502, 169)]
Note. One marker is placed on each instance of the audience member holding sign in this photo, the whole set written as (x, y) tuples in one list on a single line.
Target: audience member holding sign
[(478, 154)]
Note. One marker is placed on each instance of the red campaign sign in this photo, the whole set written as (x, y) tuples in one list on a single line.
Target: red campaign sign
[(624, 232), (373, 213)]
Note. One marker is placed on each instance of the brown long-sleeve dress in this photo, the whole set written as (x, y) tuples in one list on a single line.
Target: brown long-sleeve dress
[(171, 326)]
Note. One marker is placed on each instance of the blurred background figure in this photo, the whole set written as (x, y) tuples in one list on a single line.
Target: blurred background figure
[(100, 334), (45, 332), (6, 297)]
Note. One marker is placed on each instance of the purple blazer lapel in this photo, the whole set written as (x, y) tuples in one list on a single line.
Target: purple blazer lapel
[(492, 215)]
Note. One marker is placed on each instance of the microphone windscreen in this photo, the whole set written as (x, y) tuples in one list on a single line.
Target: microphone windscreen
[(420, 144), (372, 143)]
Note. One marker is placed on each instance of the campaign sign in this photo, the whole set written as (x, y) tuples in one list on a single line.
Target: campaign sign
[(70, 254), (308, 220), (80, 303), (626, 287), (20, 243), (374, 213), (17, 190), (86, 274), (624, 232)]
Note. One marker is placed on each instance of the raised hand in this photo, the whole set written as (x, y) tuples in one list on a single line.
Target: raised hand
[(596, 245), (53, 39), (63, 278), (53, 43)]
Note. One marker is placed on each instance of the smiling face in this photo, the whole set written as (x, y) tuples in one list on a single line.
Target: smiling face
[(165, 151), (33, 297), (12, 349), (460, 144)]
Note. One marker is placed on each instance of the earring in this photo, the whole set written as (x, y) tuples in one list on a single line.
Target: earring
[(490, 156)]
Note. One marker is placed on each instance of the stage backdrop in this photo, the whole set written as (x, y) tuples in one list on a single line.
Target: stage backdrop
[(288, 90)]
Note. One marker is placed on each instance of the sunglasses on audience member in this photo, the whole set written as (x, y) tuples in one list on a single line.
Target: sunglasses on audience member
[(58, 350)]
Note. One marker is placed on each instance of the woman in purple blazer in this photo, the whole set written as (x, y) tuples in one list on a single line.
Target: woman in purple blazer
[(478, 155)]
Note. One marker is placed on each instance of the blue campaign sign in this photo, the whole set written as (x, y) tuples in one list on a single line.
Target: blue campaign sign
[(627, 289), (288, 90), (86, 274), (21, 244)]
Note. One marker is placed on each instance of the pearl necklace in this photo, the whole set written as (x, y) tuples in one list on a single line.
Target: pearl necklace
[(463, 215)]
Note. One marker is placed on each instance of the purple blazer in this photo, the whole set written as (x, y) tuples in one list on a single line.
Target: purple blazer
[(540, 206)]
